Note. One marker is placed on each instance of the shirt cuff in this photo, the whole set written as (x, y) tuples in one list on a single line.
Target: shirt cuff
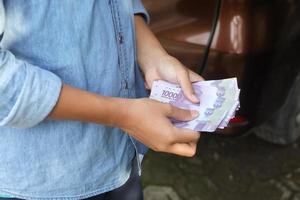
[(38, 96), (138, 8)]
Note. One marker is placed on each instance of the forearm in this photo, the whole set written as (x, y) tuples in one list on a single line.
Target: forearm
[(148, 46), (79, 105)]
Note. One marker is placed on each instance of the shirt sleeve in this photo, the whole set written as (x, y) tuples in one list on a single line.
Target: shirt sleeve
[(27, 92), (138, 8)]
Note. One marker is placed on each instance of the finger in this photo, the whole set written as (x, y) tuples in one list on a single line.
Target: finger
[(186, 136), (147, 86), (181, 114), (193, 144), (194, 77), (183, 149), (186, 85)]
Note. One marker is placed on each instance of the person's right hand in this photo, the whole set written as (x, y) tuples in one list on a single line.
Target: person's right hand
[(149, 122)]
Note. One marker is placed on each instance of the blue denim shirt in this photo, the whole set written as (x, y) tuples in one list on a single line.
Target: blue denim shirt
[(87, 44)]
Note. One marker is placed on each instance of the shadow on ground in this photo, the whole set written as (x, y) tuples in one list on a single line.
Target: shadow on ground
[(225, 169)]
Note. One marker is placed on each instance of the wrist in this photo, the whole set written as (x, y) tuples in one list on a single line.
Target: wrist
[(152, 60), (120, 114)]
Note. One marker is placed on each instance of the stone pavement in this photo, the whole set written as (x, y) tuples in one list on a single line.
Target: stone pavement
[(225, 169)]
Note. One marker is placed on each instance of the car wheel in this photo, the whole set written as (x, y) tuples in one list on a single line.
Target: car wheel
[(283, 127), (278, 111)]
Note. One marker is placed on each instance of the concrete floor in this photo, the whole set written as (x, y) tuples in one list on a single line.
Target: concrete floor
[(225, 169)]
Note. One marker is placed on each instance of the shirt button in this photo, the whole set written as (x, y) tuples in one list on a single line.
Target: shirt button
[(121, 38)]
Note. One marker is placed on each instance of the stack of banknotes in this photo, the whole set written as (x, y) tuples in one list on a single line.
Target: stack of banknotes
[(219, 101)]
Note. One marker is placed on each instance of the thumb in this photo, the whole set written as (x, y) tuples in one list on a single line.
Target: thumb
[(194, 77), (186, 85), (182, 114)]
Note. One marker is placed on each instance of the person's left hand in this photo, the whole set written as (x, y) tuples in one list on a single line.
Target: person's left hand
[(170, 69)]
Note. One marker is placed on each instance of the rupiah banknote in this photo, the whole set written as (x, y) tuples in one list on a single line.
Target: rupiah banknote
[(219, 100)]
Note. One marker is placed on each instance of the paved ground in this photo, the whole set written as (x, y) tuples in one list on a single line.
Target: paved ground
[(225, 169)]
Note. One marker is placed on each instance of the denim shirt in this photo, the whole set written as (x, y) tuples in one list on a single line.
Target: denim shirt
[(89, 45)]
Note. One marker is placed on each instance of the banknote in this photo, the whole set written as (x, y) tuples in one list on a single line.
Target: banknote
[(219, 100)]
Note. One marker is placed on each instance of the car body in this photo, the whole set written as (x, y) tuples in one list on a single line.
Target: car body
[(248, 44)]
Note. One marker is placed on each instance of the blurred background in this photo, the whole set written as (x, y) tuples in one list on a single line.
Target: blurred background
[(258, 156)]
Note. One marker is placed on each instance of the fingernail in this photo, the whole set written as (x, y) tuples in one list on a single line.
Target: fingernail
[(194, 113)]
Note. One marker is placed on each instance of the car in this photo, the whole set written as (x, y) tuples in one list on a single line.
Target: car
[(256, 41)]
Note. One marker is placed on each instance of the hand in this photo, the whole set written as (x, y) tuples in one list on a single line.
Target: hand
[(170, 69), (148, 121)]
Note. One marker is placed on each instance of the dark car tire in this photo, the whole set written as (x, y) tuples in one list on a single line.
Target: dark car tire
[(278, 110), (283, 127)]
